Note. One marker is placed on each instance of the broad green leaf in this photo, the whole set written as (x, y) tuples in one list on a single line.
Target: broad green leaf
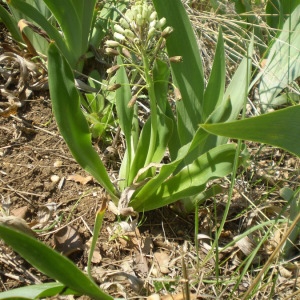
[(70, 120), (231, 103), (144, 196), (39, 43), (51, 263), (280, 128), (274, 13), (75, 19), (125, 113), (189, 203), (188, 75), (283, 62), (164, 129), (278, 10), (161, 77), (238, 88), (214, 91), (166, 171), (192, 180), (37, 291)]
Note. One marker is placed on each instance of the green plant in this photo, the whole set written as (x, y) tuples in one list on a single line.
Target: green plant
[(98, 106), (193, 164), (277, 11), (282, 66), (282, 127)]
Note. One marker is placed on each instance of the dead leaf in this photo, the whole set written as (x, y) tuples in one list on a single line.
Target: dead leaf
[(22, 24), (162, 260), (12, 110), (284, 272), (80, 179), (20, 212), (45, 212), (245, 245), (96, 258), (263, 63), (128, 274), (180, 296), (67, 241), (141, 264)]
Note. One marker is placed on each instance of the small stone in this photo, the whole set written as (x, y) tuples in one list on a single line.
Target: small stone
[(54, 178), (57, 163)]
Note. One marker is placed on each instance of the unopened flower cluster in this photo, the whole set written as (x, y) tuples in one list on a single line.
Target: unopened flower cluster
[(139, 28)]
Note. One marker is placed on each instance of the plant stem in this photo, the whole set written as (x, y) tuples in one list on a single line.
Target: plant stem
[(153, 107)]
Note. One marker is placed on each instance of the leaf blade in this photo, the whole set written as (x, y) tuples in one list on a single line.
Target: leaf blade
[(70, 119), (52, 263), (280, 128), (190, 81)]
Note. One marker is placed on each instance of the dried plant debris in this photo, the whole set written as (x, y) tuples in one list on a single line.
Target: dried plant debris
[(67, 241), (80, 179)]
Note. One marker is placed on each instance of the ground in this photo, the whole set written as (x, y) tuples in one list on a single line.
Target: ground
[(41, 183)]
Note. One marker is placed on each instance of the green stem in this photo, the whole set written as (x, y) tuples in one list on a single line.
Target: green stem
[(153, 107)]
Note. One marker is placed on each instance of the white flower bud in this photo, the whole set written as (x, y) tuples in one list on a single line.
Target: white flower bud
[(139, 20), (124, 23), (145, 11), (113, 69), (111, 51), (133, 25), (140, 8), (119, 36), (161, 23), (167, 31), (119, 28), (111, 43), (153, 23), (129, 15), (135, 12), (129, 34), (151, 32), (153, 16)]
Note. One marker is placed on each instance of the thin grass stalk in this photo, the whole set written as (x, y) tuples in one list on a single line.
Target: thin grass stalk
[(196, 235), (248, 261), (217, 270), (271, 258)]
